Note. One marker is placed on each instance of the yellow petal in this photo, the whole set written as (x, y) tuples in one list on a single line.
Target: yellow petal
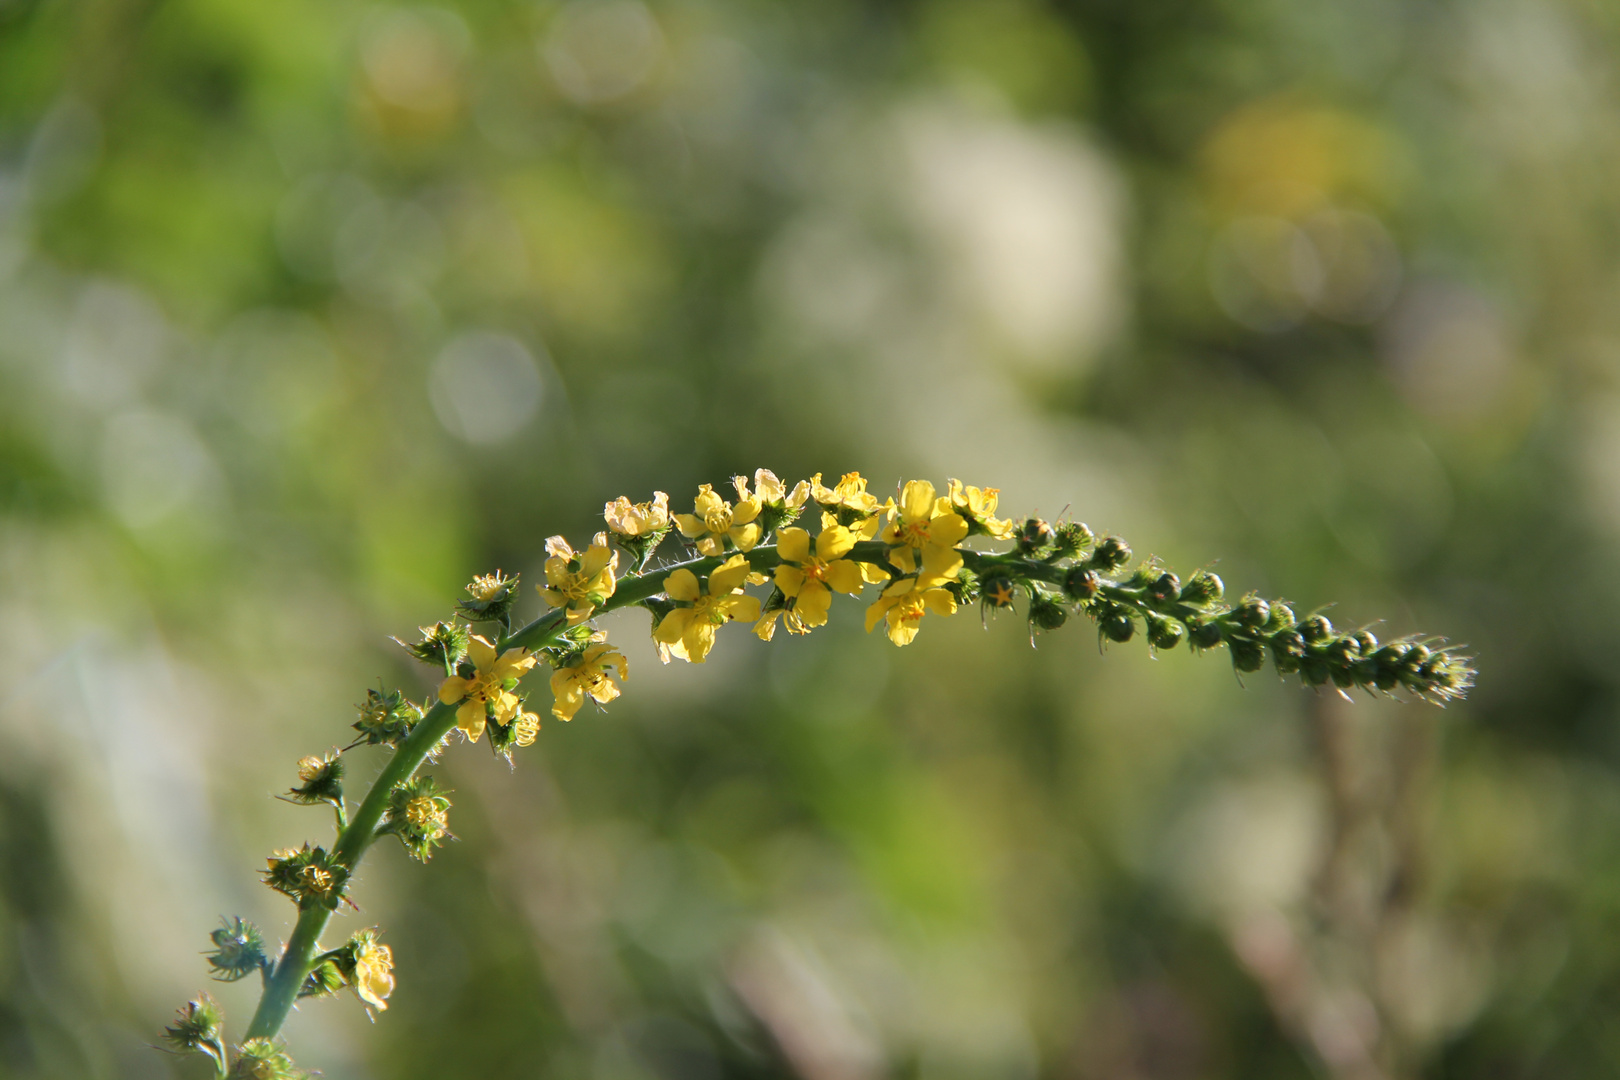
[(947, 529), (682, 585), (672, 627), (875, 613), (746, 536), (902, 559), (844, 576), (940, 601), (917, 500), (453, 690), (470, 718), (765, 628), (790, 579), (939, 564), (710, 545), (728, 576), (604, 691), (793, 545), (834, 543), (557, 547), (481, 653), (738, 607), (691, 527), (813, 604), (698, 640)]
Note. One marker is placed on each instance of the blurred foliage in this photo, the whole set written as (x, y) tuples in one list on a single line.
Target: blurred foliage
[(310, 311)]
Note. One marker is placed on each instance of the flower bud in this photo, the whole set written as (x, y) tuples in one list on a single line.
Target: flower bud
[(1072, 538), (1116, 624), (1081, 583), (1287, 650), (1316, 629), (1203, 633), (1281, 617), (1046, 613), (1035, 537), (1366, 642), (1247, 653), (1163, 632), (1252, 612), (418, 813), (323, 980), (238, 950), (1203, 588), (1165, 587), (1110, 554)]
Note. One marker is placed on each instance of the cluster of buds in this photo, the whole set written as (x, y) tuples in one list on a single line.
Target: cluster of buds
[(418, 813)]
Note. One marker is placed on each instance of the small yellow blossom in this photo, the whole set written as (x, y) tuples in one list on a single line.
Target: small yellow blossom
[(765, 628), (688, 631), (770, 491), (978, 506), (637, 519), (373, 972), (310, 767), (579, 580), (923, 523), (904, 603), (848, 503), (714, 521), (588, 675), (487, 688), (808, 578)]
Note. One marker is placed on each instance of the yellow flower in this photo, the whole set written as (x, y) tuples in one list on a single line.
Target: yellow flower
[(373, 972), (978, 506), (579, 580), (923, 523), (487, 587), (426, 815), (688, 631), (849, 504), (904, 603), (770, 491), (589, 674), (486, 689), (714, 521), (807, 578), (637, 519), (310, 767)]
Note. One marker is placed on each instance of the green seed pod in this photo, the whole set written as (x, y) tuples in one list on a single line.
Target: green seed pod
[(1203, 633), (386, 718), (1287, 649), (1046, 613), (1081, 583), (1344, 650), (1253, 612), (1163, 632), (264, 1059), (1316, 629), (1203, 588), (238, 950), (1035, 537), (323, 979), (1366, 642), (1165, 587), (1110, 554), (443, 644), (200, 1029), (1247, 653)]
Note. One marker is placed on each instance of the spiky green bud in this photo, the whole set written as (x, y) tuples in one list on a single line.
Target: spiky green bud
[(264, 1059), (199, 1029), (238, 950)]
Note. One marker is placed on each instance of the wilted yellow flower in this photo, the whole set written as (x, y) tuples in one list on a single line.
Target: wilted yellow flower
[(579, 580), (486, 587), (637, 519), (904, 602), (587, 675), (373, 972), (978, 506), (922, 523), (714, 521), (765, 628), (427, 815), (688, 632), (310, 767), (486, 687), (525, 728), (807, 578)]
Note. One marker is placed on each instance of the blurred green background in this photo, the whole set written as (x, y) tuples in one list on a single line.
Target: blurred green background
[(311, 310)]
